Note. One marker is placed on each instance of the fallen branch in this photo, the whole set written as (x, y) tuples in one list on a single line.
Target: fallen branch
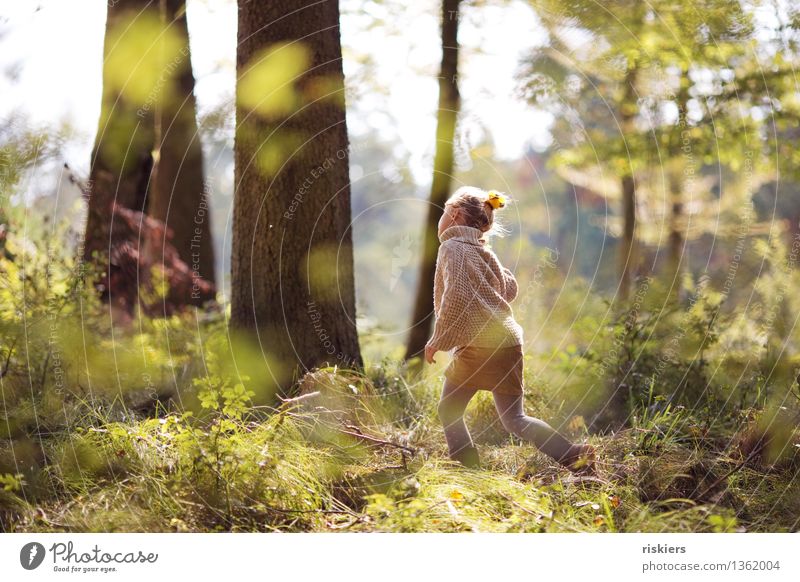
[(280, 509), (759, 448), (356, 432), (299, 398), (334, 511)]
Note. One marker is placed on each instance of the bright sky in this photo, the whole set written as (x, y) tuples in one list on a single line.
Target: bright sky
[(53, 49)]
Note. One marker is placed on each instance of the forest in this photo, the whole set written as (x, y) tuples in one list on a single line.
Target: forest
[(218, 247)]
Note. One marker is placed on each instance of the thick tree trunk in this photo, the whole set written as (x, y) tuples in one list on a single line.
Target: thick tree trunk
[(292, 256), (178, 196), (127, 247), (121, 161), (449, 102)]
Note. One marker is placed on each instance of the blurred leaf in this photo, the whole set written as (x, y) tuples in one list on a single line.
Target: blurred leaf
[(142, 58), (268, 85)]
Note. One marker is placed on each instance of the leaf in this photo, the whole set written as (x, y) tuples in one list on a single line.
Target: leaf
[(268, 84)]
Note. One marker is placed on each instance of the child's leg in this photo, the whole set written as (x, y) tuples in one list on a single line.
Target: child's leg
[(452, 406), (541, 434)]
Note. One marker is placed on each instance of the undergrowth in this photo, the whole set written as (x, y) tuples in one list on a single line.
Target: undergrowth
[(168, 426), (333, 459)]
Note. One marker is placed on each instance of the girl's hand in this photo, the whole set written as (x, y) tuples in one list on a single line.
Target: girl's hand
[(429, 353)]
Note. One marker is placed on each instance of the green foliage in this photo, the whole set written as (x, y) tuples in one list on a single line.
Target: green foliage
[(223, 396), (12, 482), (722, 523)]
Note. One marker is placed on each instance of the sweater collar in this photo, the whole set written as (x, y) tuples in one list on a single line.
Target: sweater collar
[(463, 233)]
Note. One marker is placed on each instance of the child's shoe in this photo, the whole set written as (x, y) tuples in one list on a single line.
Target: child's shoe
[(580, 459)]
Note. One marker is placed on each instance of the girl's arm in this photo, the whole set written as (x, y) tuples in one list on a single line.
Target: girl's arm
[(510, 285), (453, 304)]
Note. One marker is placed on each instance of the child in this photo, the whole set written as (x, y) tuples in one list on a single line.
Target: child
[(472, 296)]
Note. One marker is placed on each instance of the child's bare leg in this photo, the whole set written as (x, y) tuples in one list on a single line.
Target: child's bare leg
[(541, 434), (451, 409)]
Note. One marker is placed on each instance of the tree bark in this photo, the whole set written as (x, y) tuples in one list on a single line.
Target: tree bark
[(628, 255), (675, 232), (449, 102), (178, 196), (292, 283), (121, 161), (125, 246), (676, 186)]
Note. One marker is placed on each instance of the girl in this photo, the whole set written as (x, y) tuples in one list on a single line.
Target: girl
[(472, 296)]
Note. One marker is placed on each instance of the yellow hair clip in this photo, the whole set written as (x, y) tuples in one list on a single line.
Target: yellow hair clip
[(496, 199)]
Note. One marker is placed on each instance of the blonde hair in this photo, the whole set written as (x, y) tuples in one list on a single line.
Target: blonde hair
[(478, 207)]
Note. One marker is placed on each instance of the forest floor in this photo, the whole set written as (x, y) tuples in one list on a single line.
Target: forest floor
[(357, 454)]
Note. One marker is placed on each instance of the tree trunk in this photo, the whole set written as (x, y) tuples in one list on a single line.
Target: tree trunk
[(292, 280), (131, 251), (676, 186), (628, 255), (178, 196), (675, 233), (121, 161), (449, 102)]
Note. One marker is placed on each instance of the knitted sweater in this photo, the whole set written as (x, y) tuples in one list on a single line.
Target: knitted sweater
[(472, 292)]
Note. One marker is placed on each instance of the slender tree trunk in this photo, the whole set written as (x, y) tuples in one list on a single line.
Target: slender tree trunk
[(292, 254), (675, 231), (677, 184), (178, 196), (449, 102), (794, 228), (121, 161), (628, 255)]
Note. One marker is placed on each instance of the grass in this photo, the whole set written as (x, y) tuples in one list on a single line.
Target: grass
[(368, 454)]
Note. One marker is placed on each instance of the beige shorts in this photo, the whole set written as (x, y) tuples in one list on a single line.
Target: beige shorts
[(494, 369)]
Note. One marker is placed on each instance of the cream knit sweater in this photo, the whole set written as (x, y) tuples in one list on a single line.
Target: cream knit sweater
[(472, 293)]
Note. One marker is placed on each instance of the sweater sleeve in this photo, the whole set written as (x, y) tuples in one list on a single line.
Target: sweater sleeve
[(510, 284), (507, 280), (446, 330)]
